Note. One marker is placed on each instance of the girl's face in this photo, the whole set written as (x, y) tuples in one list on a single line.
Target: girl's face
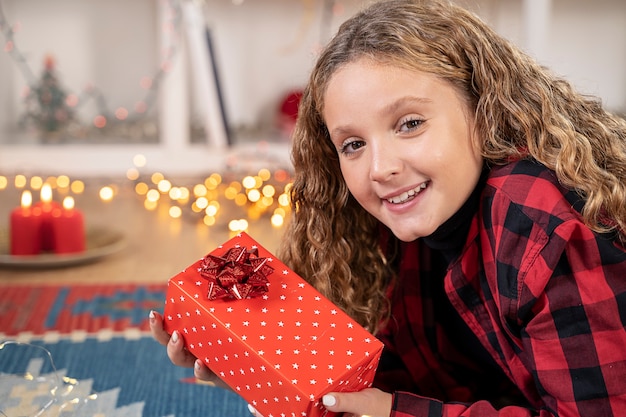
[(405, 143)]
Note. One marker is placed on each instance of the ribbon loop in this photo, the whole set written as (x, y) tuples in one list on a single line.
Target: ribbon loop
[(239, 274)]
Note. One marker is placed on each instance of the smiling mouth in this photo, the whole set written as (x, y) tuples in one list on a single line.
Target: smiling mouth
[(407, 195)]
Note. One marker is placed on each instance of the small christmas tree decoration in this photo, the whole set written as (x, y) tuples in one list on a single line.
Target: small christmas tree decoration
[(46, 103)]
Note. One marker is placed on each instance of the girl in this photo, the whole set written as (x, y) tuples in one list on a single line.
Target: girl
[(468, 207)]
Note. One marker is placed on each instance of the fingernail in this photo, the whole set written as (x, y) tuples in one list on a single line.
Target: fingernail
[(175, 336), (252, 410), (152, 315), (197, 365), (329, 400)]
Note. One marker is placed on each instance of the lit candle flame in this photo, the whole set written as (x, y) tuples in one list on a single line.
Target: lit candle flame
[(46, 193), (68, 203), (27, 199)]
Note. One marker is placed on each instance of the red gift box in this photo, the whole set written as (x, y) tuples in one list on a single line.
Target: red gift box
[(267, 333)]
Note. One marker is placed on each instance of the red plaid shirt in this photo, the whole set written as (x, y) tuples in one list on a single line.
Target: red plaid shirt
[(540, 305)]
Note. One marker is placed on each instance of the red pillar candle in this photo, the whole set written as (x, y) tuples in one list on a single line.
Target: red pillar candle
[(68, 228), (46, 205), (25, 227)]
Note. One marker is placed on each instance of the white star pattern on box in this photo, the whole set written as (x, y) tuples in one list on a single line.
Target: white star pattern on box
[(323, 350)]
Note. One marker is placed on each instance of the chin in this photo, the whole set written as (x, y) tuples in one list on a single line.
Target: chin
[(407, 237), (406, 233)]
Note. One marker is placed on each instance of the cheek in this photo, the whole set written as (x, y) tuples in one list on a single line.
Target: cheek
[(354, 178)]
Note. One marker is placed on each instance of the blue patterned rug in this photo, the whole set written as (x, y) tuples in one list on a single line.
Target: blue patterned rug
[(101, 370)]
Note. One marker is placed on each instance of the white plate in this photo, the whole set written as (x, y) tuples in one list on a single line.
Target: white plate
[(100, 242)]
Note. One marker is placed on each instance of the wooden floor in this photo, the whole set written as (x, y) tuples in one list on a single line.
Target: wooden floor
[(156, 246)]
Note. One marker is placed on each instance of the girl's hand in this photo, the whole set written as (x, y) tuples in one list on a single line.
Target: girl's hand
[(178, 354), (370, 402)]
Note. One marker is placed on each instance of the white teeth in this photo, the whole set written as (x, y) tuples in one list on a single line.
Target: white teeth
[(405, 196)]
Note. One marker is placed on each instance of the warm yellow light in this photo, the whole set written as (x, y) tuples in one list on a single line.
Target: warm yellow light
[(175, 212), (248, 182), (149, 205), (175, 193), (269, 191), (141, 188), (279, 211), (199, 190), (283, 200), (213, 195), (202, 203), (132, 174), (211, 183), (211, 211), (236, 185), (184, 193), (164, 186), (230, 193), (265, 174), (277, 220), (139, 160), (216, 177), (46, 193), (209, 220), (77, 187), (267, 201), (153, 195), (68, 203), (215, 203), (241, 199), (238, 225), (156, 177), (27, 199), (63, 181), (106, 193), (52, 181), (4, 182), (20, 181), (36, 182), (254, 195), (254, 213)]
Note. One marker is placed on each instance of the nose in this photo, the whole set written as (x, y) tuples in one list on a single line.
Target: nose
[(385, 163)]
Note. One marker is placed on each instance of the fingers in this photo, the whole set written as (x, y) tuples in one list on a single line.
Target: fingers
[(156, 328), (253, 411), (178, 354), (201, 371), (175, 344), (371, 402)]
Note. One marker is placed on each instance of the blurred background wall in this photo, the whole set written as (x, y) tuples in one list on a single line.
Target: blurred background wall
[(262, 50)]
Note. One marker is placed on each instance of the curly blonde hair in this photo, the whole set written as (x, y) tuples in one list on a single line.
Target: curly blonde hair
[(521, 110)]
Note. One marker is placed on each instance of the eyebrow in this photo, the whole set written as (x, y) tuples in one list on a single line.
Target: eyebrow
[(402, 101)]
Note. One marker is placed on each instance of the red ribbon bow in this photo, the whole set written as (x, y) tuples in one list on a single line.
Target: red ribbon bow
[(239, 274)]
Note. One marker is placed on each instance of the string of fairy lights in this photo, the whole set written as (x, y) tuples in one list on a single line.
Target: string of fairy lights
[(217, 199), (264, 194)]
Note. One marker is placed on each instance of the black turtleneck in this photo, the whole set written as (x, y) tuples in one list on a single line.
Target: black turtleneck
[(449, 238), (447, 243)]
